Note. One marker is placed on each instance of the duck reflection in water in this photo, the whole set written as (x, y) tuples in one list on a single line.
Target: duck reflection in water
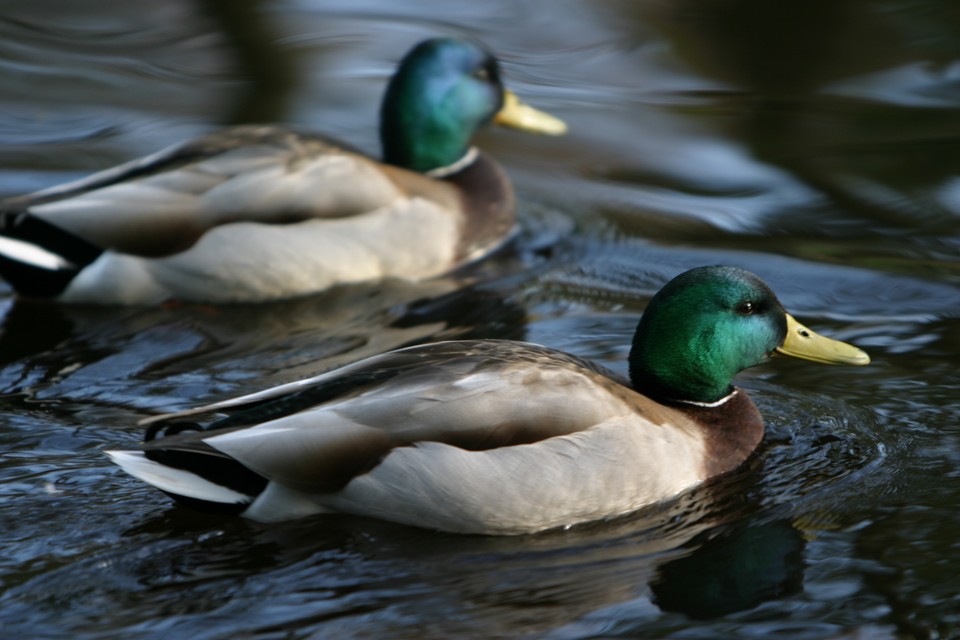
[(733, 571)]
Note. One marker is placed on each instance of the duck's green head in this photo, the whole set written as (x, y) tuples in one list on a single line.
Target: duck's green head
[(708, 324), (444, 90)]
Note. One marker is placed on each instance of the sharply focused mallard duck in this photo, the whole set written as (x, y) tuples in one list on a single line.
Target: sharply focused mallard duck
[(496, 436), (255, 213)]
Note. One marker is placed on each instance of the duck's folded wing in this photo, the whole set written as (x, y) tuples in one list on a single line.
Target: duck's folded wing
[(162, 204), (474, 401)]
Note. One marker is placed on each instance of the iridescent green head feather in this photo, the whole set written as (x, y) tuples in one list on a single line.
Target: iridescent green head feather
[(708, 324), (444, 90)]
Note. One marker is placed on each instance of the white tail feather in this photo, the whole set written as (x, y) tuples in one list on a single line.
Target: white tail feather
[(176, 481), (32, 254)]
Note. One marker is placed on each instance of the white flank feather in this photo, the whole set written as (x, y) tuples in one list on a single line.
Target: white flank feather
[(278, 503)]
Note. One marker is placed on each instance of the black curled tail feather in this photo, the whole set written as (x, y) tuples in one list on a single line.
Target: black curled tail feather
[(42, 280), (164, 429)]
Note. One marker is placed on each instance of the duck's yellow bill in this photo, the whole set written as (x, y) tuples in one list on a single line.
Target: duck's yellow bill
[(806, 344), (522, 116)]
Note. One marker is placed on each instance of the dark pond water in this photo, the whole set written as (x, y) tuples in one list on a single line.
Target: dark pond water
[(815, 143)]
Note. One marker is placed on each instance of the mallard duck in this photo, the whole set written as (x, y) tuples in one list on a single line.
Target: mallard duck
[(254, 213), (496, 436)]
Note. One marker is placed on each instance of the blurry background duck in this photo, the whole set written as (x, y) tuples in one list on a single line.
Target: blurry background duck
[(255, 213), (496, 436)]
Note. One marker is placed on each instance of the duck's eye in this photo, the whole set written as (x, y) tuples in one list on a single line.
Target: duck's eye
[(746, 308), (482, 74)]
